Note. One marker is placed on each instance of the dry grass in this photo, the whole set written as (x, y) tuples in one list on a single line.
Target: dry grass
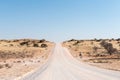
[(93, 53), (18, 57), (7, 65), (23, 48), (91, 47)]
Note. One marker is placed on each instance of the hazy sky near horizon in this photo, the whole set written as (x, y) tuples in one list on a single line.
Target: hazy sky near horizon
[(59, 20)]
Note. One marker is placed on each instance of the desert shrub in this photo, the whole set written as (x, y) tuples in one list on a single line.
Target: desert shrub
[(99, 55), (78, 41), (69, 46), (1, 66), (18, 61), (11, 44), (23, 43), (4, 61), (118, 42), (75, 43), (108, 47), (15, 40), (118, 39), (92, 43), (112, 39), (71, 40), (80, 54), (103, 43), (8, 65), (44, 45), (38, 61), (35, 45), (43, 40)]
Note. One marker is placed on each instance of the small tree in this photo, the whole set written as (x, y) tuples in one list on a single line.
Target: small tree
[(108, 47)]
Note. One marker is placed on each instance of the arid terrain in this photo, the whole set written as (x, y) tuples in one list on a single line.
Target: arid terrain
[(104, 53), (28, 59), (20, 57), (63, 66)]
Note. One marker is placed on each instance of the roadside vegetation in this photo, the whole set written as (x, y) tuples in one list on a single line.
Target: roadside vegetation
[(20, 56), (24, 48), (96, 51)]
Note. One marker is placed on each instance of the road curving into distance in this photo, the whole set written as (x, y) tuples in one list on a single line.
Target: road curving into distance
[(62, 66)]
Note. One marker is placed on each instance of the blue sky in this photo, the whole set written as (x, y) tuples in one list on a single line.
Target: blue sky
[(59, 20)]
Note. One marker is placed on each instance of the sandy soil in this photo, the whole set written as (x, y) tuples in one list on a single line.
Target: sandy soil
[(62, 66), (16, 60), (99, 58)]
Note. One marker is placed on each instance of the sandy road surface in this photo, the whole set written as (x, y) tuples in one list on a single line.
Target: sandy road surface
[(63, 66)]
